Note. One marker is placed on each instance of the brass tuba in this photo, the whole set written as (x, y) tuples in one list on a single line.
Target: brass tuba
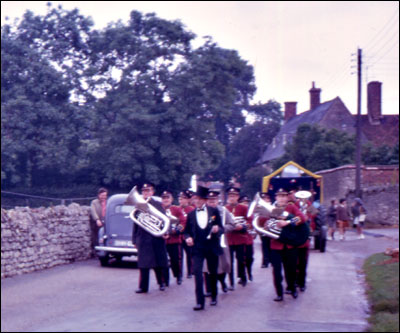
[(291, 234), (146, 215), (259, 208)]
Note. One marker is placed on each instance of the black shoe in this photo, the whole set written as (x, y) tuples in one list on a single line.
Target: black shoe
[(207, 295), (213, 302), (250, 277), (288, 292), (179, 281), (140, 291), (162, 287), (224, 288), (198, 307), (189, 276), (278, 299), (243, 282), (303, 289), (295, 294)]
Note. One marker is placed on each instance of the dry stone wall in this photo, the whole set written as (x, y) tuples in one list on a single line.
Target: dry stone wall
[(38, 238)]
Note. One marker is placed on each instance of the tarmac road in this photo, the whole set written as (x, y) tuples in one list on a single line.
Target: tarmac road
[(83, 297)]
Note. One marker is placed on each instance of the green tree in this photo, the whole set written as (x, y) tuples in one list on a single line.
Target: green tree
[(316, 148), (36, 136), (383, 155), (119, 105), (250, 142)]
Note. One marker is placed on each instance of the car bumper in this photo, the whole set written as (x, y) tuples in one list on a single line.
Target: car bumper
[(111, 249)]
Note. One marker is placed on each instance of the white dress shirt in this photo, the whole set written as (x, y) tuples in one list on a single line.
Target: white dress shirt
[(202, 217)]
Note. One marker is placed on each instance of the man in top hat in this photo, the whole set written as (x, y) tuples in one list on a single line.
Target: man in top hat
[(184, 204), (237, 239), (202, 232), (152, 252), (173, 238)]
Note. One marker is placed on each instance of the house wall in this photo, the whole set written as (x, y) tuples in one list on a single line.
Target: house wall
[(339, 117)]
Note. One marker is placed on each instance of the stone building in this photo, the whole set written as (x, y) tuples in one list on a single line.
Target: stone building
[(376, 128)]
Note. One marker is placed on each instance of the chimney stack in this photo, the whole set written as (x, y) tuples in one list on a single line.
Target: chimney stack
[(290, 110), (314, 96), (374, 102)]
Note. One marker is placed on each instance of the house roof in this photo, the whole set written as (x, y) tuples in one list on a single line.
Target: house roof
[(386, 132), (289, 129)]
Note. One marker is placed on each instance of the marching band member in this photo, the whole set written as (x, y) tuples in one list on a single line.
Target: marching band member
[(173, 238), (184, 204), (284, 254), (224, 265), (237, 239), (152, 252), (249, 249), (202, 232)]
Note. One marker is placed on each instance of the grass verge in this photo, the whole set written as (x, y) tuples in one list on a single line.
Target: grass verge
[(382, 276)]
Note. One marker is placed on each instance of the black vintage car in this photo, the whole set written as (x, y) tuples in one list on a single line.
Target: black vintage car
[(115, 238)]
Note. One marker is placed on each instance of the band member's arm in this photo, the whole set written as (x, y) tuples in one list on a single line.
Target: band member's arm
[(188, 231), (217, 223)]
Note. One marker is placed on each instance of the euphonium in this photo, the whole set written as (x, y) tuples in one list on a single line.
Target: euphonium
[(146, 215), (260, 208), (291, 234)]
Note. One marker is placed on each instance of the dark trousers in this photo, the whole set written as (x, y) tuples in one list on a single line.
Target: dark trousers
[(265, 244), (220, 278), (188, 252), (241, 262), (175, 254), (212, 262), (288, 259), (144, 279), (249, 254), (302, 261)]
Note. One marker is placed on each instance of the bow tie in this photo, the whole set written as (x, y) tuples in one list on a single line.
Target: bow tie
[(201, 209)]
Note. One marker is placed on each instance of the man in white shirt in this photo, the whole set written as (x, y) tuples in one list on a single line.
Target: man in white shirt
[(202, 232)]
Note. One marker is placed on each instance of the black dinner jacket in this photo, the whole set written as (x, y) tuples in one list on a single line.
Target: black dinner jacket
[(201, 243)]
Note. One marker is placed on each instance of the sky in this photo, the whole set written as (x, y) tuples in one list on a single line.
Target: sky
[(289, 44)]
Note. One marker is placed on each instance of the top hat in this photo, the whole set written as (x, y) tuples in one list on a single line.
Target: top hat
[(201, 192)]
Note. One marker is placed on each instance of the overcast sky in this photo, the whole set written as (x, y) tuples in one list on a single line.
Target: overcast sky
[(289, 44)]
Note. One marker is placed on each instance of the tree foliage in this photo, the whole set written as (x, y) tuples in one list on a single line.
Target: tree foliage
[(116, 106), (317, 148)]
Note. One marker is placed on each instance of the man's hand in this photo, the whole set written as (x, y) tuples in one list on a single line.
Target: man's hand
[(189, 241), (99, 223), (282, 223), (214, 229), (238, 227)]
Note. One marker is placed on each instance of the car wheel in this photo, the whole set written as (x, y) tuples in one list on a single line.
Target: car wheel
[(104, 261)]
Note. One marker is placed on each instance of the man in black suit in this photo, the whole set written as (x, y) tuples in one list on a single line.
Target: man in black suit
[(202, 232)]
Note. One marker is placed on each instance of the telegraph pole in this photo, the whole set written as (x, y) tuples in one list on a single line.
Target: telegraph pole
[(358, 127)]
